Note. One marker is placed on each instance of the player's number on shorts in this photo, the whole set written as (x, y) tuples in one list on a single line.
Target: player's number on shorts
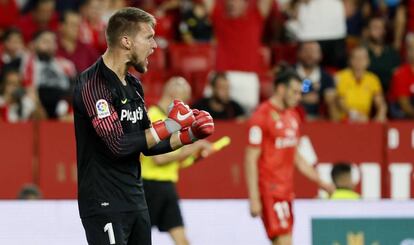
[(108, 228), (283, 212)]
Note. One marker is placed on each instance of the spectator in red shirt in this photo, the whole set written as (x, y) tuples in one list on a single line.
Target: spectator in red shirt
[(165, 27), (9, 13), (238, 26), (402, 88), (69, 46), (167, 14), (42, 17), (92, 29)]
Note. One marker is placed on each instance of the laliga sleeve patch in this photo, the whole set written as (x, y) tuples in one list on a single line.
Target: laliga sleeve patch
[(102, 109), (255, 135)]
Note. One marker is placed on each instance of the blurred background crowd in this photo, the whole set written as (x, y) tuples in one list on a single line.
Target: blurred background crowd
[(356, 57)]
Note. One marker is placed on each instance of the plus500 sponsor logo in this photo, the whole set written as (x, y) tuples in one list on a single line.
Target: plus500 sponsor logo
[(132, 116)]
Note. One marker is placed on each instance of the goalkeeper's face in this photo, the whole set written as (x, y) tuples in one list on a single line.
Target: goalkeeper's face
[(142, 46), (293, 93)]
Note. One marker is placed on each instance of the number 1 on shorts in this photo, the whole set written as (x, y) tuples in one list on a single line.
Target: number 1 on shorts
[(108, 227)]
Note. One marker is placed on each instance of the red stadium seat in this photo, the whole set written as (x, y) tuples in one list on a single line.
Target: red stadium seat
[(157, 61), (17, 148), (186, 59), (284, 52), (266, 58), (331, 70), (153, 83), (194, 62), (198, 83)]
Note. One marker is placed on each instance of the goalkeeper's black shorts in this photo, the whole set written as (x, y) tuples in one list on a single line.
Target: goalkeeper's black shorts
[(122, 228)]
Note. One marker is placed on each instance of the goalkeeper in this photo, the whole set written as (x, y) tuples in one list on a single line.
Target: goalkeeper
[(160, 173)]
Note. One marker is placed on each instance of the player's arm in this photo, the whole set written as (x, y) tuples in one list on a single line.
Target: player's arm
[(400, 21), (252, 179), (340, 91), (330, 98), (200, 128), (162, 147), (185, 152), (381, 107), (406, 106), (104, 118), (252, 155), (309, 172)]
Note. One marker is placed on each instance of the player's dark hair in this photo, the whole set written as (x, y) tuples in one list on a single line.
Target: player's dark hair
[(301, 44), (375, 17), (126, 22), (284, 75), (39, 2), (216, 76), (29, 190), (356, 48), (339, 169)]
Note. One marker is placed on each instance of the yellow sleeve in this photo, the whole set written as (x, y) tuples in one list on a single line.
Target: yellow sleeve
[(155, 114), (341, 83)]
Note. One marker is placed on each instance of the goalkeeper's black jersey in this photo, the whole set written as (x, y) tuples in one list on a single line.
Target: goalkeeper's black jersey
[(110, 123)]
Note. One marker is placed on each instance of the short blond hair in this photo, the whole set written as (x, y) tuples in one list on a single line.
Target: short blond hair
[(126, 22)]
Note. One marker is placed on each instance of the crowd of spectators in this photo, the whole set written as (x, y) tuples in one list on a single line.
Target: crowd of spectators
[(356, 57)]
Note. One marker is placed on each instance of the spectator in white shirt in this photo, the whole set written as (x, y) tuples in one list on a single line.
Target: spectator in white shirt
[(323, 21)]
